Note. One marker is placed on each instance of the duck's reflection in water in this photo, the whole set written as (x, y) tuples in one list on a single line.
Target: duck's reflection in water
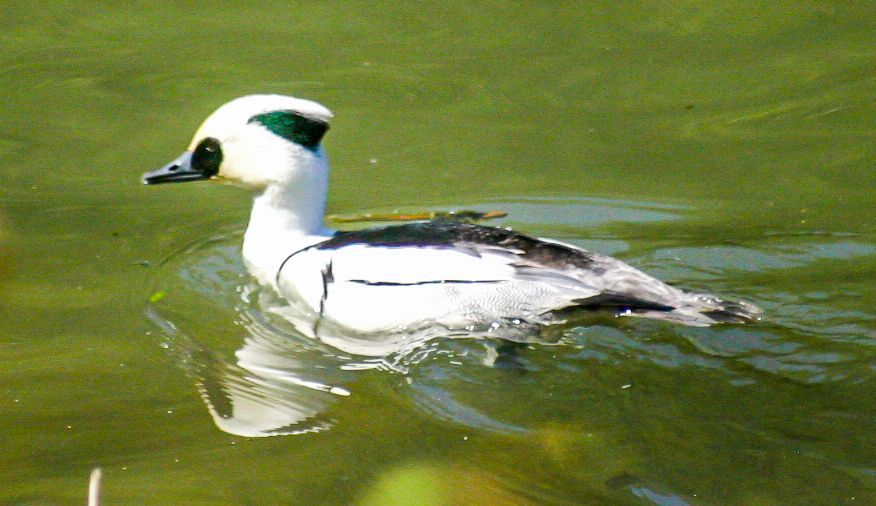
[(263, 394), (284, 383), (276, 384)]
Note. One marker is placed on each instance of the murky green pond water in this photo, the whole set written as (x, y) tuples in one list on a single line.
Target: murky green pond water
[(722, 147)]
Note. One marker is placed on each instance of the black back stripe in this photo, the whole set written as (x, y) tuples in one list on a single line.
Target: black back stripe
[(456, 234), (430, 282)]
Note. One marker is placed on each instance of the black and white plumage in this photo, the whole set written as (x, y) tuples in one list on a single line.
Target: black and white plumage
[(380, 282), (457, 274)]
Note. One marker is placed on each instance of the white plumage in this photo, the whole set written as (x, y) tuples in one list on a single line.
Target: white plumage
[(379, 284), (382, 289)]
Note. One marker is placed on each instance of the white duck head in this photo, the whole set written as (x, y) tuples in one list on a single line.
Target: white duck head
[(256, 141), (271, 144)]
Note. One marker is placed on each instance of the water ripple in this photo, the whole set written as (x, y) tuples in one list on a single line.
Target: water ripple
[(259, 376)]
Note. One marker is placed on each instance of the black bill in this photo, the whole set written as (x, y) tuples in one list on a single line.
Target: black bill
[(177, 171)]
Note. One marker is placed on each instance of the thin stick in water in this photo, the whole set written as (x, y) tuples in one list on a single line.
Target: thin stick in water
[(94, 487)]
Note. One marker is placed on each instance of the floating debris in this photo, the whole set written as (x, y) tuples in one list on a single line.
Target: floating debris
[(464, 215)]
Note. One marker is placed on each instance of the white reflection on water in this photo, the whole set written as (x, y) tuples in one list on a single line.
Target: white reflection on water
[(270, 389)]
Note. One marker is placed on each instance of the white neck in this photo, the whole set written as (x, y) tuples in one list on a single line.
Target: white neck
[(286, 217)]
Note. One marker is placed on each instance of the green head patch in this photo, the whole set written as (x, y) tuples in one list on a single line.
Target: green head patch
[(293, 126)]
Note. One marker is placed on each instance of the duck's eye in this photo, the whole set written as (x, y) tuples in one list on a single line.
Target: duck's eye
[(207, 157)]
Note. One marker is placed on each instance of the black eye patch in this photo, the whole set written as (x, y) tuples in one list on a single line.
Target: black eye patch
[(293, 126), (207, 157)]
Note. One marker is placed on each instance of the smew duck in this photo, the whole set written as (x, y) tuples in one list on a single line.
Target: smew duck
[(445, 274)]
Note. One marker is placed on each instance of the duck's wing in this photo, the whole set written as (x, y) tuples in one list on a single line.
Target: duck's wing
[(454, 267), (446, 251)]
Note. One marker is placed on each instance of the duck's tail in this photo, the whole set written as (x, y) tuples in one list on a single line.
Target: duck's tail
[(703, 310), (695, 309)]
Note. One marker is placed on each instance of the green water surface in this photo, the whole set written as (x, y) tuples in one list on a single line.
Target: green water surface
[(722, 146)]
